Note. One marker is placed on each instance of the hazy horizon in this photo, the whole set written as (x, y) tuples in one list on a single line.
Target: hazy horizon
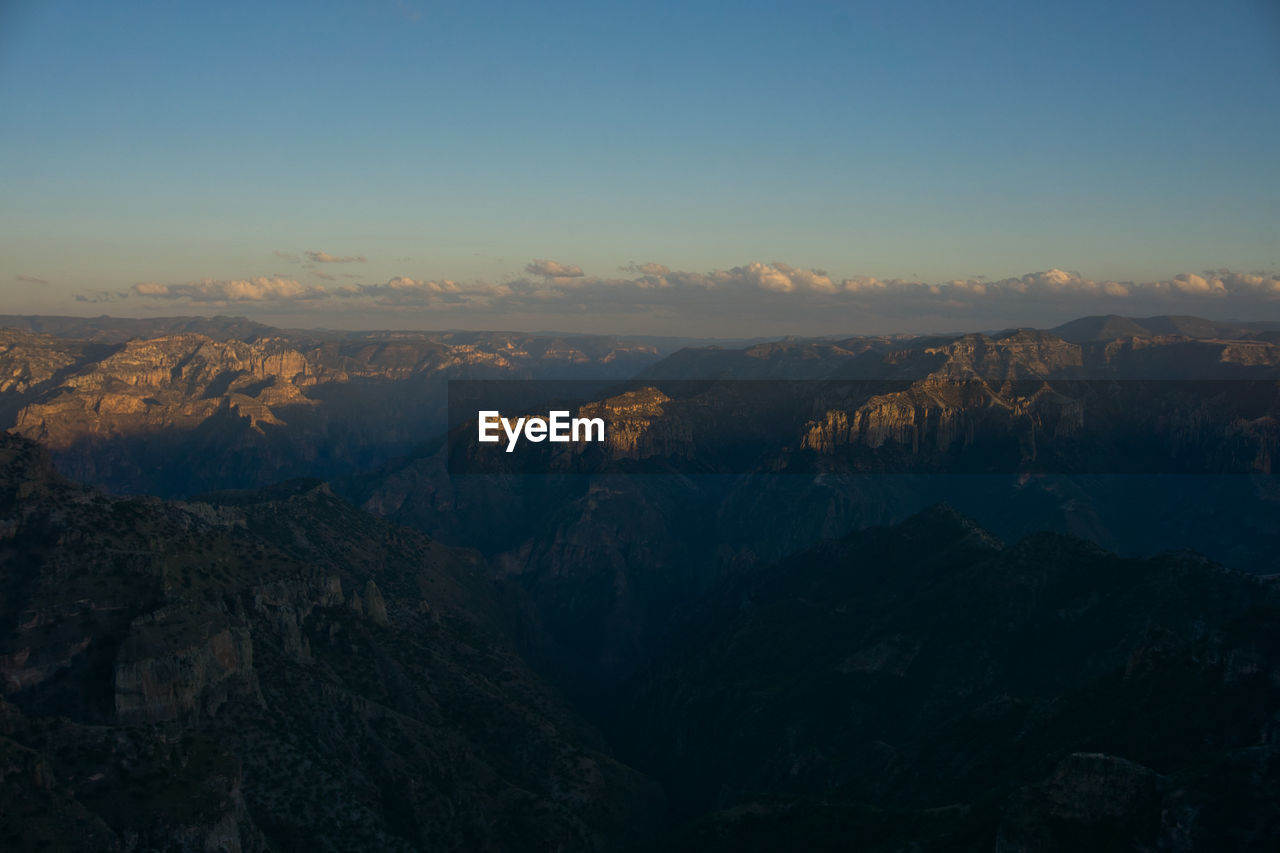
[(307, 324)]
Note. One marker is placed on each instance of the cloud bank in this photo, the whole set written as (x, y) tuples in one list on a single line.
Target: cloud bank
[(225, 292), (755, 293)]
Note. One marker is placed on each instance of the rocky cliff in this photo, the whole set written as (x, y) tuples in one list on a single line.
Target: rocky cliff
[(175, 414), (314, 677), (273, 671), (1024, 430)]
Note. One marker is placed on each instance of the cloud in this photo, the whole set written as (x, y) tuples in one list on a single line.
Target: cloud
[(30, 279), (775, 277), (659, 270), (866, 284), (1192, 283), (403, 290), (1060, 284), (326, 258), (288, 256), (764, 293), (99, 296), (553, 269), (216, 291), (784, 278)]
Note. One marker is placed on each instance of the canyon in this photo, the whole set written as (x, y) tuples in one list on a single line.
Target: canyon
[(928, 593)]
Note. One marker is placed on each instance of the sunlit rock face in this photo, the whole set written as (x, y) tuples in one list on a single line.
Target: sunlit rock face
[(169, 383), (177, 414), (28, 360)]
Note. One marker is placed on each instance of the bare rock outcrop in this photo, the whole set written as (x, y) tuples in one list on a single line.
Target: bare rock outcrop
[(177, 664)]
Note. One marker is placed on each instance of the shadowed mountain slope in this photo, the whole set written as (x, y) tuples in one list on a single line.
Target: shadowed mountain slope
[(273, 671), (927, 685), (1022, 430)]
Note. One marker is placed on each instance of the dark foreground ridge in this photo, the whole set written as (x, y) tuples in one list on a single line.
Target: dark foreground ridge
[(285, 673), (926, 687), (279, 671)]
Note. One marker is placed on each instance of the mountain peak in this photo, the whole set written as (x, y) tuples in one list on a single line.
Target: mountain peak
[(942, 520)]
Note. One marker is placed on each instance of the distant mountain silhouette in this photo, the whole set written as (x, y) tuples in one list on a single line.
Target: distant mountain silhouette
[(116, 330), (1113, 327)]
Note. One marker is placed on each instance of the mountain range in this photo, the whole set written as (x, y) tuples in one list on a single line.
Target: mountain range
[(248, 600)]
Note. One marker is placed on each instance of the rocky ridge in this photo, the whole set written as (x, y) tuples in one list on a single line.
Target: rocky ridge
[(268, 405), (271, 671), (1091, 438)]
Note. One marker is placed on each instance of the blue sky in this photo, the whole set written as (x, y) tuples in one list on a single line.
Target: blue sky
[(171, 143)]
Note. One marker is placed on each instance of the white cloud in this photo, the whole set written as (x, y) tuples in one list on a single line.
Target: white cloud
[(1192, 283), (326, 258), (650, 269), (553, 269), (403, 290), (260, 289), (99, 296)]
